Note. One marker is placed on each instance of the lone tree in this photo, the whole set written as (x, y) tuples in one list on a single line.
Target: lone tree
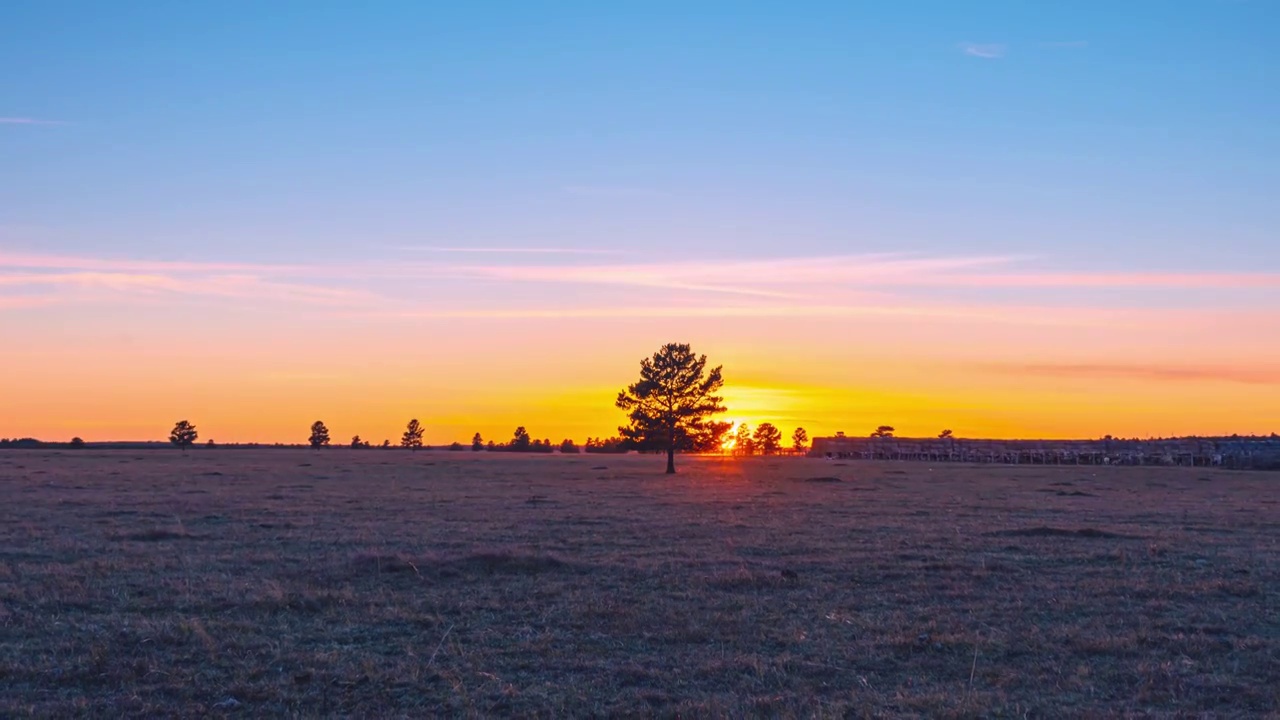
[(477, 443), (768, 439), (412, 437), (356, 442), (77, 443), (946, 435), (670, 406), (183, 435), (884, 431), (800, 441), (319, 435)]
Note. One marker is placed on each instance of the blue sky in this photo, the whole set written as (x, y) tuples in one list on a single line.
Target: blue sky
[(1145, 131)]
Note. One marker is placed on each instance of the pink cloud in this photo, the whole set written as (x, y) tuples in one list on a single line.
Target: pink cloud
[(1170, 373)]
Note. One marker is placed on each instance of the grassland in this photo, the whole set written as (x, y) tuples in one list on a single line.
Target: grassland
[(384, 583)]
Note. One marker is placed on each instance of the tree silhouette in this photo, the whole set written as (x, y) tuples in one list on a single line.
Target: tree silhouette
[(945, 435), (183, 435), (884, 431), (768, 439), (412, 437), (356, 442), (800, 441), (477, 443), (319, 435), (613, 445), (520, 441), (670, 405), (77, 443), (568, 447), (743, 444)]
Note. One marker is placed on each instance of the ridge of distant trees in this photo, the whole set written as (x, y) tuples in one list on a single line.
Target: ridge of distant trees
[(607, 446)]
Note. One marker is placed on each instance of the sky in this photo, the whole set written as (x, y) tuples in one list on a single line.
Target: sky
[(1008, 219)]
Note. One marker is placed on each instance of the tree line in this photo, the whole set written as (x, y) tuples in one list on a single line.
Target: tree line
[(669, 410)]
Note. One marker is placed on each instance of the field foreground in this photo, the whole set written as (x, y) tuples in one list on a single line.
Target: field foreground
[(384, 583)]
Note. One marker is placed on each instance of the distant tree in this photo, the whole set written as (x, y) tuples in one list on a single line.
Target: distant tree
[(211, 444), (491, 446), (743, 444), (183, 435), (839, 433), (946, 435), (386, 443), (77, 443), (670, 406), (356, 442), (412, 437), (768, 439), (611, 446), (521, 442), (884, 431), (567, 447), (477, 443), (800, 441), (456, 446), (319, 435)]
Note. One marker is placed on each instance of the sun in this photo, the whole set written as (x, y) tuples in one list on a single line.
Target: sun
[(730, 439)]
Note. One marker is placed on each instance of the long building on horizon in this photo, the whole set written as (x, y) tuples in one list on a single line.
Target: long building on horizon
[(1230, 452)]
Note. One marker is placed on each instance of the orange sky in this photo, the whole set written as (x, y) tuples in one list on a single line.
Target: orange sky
[(111, 362)]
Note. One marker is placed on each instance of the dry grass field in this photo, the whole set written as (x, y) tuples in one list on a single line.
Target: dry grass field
[(383, 584)]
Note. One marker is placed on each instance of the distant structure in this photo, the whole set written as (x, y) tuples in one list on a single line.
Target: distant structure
[(1229, 452)]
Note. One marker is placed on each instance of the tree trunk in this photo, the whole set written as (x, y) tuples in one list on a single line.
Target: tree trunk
[(671, 461)]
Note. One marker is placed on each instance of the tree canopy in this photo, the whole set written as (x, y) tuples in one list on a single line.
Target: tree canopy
[(412, 437), (183, 435), (800, 441), (768, 439), (670, 407), (520, 440), (743, 442), (319, 434)]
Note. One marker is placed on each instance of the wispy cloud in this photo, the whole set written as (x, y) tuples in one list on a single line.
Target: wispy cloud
[(744, 277), (30, 121), (512, 250), (1096, 280), (1168, 373), (987, 51), (887, 310), (883, 283), (72, 278)]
